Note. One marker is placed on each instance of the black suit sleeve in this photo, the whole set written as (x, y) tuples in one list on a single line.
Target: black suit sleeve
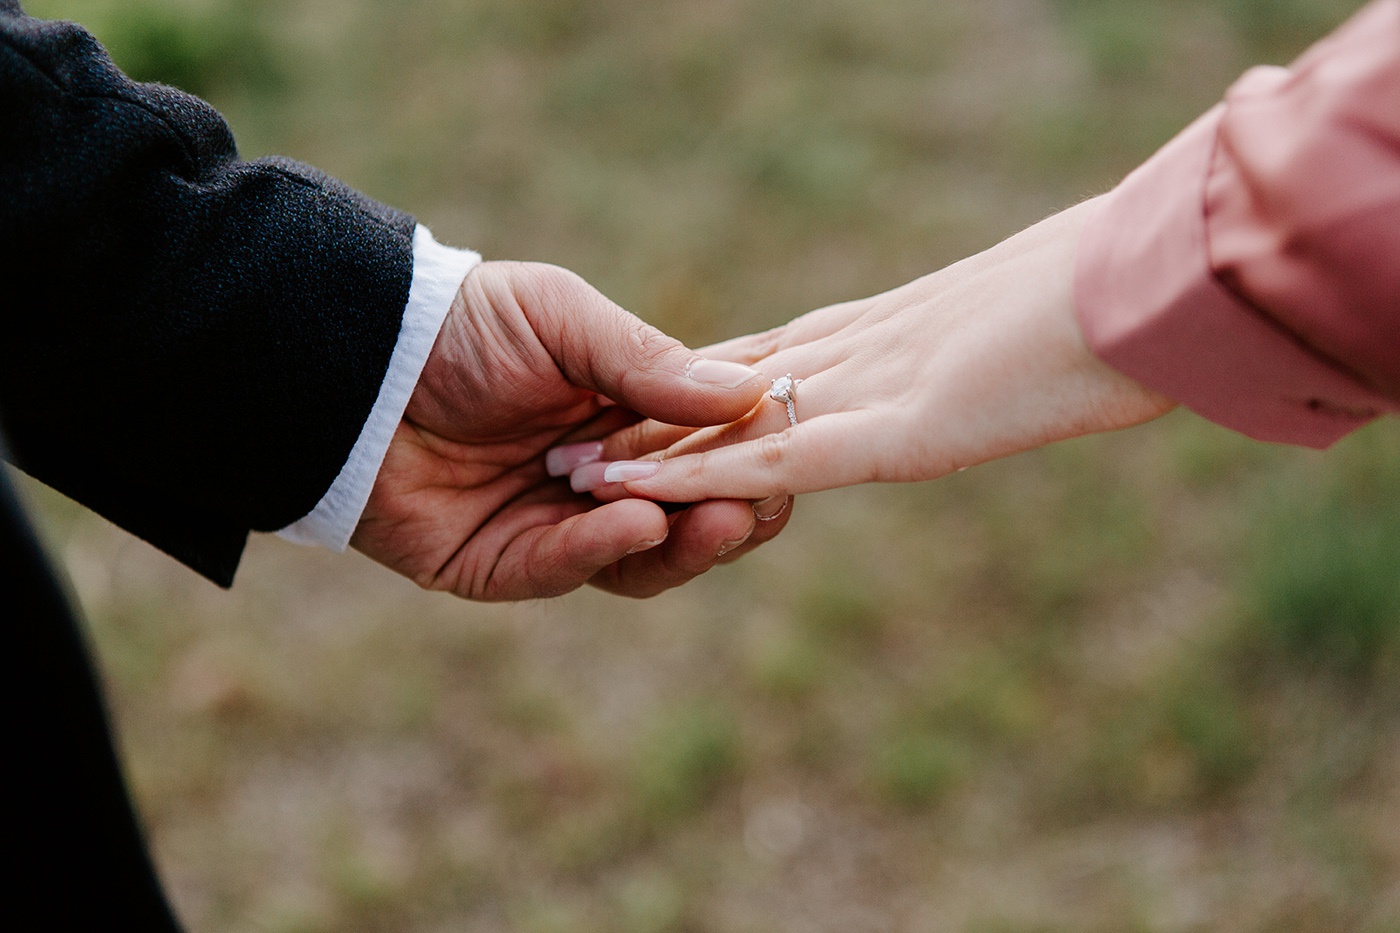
[(189, 343)]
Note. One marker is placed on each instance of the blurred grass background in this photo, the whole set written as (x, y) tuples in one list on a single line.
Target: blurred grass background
[(1146, 682)]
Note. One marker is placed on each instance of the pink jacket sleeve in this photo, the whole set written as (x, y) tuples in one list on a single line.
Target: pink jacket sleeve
[(1251, 268)]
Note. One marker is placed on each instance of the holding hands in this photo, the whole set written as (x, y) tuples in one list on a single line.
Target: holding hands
[(977, 361), (464, 502)]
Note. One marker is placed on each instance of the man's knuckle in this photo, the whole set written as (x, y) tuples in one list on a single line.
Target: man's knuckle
[(648, 343), (556, 284)]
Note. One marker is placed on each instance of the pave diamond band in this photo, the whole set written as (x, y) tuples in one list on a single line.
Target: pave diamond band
[(784, 389)]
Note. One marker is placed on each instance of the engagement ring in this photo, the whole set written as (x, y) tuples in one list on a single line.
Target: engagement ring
[(784, 389)]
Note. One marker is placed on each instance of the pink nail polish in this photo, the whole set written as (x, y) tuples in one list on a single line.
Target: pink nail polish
[(623, 471), (720, 373), (588, 477), (561, 461)]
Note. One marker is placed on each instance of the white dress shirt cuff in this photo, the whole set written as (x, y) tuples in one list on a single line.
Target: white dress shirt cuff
[(438, 272)]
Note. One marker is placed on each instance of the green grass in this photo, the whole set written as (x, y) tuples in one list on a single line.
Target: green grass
[(1121, 39), (1324, 579), (683, 761), (1276, 30), (914, 768), (206, 49)]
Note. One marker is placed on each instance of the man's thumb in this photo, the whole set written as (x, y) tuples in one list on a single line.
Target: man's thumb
[(603, 348)]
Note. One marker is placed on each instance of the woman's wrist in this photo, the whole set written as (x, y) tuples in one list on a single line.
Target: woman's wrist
[(1009, 368), (1123, 400)]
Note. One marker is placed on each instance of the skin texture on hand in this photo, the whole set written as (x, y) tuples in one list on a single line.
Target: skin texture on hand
[(977, 361), (526, 357)]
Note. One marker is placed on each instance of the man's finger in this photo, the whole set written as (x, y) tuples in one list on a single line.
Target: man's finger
[(552, 559), (603, 348), (700, 536), (772, 515)]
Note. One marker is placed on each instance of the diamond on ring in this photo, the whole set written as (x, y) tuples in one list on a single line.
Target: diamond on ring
[(784, 389)]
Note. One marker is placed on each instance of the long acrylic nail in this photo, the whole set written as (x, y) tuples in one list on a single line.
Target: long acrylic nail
[(622, 471), (561, 461), (720, 373), (588, 477), (765, 510)]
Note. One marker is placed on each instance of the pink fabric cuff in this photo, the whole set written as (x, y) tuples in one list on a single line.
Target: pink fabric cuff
[(1151, 306)]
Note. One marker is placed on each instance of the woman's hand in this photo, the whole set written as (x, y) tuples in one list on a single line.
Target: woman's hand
[(974, 362)]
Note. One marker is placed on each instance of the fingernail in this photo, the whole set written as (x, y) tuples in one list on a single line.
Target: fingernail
[(561, 461), (622, 471), (646, 546), (728, 546), (588, 477), (720, 373), (765, 510)]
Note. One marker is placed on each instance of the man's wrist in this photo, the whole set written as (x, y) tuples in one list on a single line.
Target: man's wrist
[(438, 272)]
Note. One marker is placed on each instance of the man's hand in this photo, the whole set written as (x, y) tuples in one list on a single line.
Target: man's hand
[(531, 356)]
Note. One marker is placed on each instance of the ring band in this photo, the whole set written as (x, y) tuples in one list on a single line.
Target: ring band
[(784, 389)]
